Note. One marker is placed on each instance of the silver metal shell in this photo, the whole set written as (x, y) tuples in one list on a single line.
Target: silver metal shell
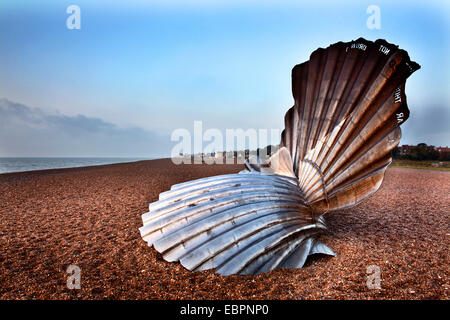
[(349, 102)]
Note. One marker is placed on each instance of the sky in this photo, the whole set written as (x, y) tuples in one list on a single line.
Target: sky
[(136, 71)]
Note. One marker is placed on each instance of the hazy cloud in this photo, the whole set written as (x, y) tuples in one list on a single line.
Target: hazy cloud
[(430, 125), (26, 131)]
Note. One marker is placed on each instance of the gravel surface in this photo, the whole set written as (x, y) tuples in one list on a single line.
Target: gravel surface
[(90, 217)]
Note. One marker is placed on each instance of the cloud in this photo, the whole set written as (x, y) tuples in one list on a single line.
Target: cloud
[(429, 125), (26, 131)]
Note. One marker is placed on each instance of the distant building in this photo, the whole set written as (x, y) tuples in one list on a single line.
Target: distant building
[(229, 154), (442, 149), (219, 154), (406, 149)]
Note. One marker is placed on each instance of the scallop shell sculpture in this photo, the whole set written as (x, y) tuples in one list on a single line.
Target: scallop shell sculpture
[(349, 103)]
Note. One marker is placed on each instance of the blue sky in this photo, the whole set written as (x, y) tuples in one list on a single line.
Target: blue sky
[(154, 66)]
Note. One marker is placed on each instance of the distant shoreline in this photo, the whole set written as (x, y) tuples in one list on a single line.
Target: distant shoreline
[(396, 163), (31, 164)]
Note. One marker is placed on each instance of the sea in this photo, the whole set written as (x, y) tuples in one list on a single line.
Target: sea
[(29, 164)]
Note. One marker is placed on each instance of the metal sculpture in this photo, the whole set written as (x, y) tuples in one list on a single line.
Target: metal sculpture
[(349, 103)]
